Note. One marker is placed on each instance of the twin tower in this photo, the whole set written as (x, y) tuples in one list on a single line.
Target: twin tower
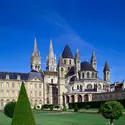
[(50, 60)]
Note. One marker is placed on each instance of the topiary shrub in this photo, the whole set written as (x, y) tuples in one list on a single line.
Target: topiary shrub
[(51, 107), (64, 108), (9, 109), (100, 109), (76, 108), (87, 107)]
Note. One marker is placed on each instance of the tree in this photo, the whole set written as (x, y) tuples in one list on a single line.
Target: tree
[(22, 113), (9, 109), (100, 108), (87, 106), (64, 107), (112, 110)]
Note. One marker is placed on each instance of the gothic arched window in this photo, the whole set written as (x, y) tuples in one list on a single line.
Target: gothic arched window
[(87, 74), (77, 87), (92, 74), (83, 75), (70, 62)]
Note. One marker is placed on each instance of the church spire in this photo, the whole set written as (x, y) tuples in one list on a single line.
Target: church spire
[(51, 59), (35, 46), (93, 60)]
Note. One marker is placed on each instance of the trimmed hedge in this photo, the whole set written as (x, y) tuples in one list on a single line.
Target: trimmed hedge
[(94, 104), (47, 106)]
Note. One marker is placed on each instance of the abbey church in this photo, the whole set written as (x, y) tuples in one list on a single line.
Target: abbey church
[(69, 80)]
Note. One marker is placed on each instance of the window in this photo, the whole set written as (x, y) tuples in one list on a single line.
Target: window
[(7, 85), (77, 87), (39, 93), (83, 75), (62, 71), (51, 80), (35, 93), (40, 86), (87, 74), (70, 62), (89, 86), (7, 93), (2, 103), (99, 86), (2, 93), (92, 74), (7, 76), (1, 84), (12, 85), (30, 85), (64, 61), (72, 88), (30, 93), (35, 85), (19, 85), (13, 93)]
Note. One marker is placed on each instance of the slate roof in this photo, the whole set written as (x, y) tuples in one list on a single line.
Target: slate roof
[(73, 79), (86, 66), (67, 52), (13, 75), (71, 71), (106, 67), (23, 76)]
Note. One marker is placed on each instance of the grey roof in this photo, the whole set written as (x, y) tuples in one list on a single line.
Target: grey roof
[(71, 71), (86, 66), (13, 75), (23, 76), (67, 52), (35, 75), (106, 67)]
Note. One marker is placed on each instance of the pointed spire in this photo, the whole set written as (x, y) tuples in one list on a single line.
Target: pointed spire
[(77, 56), (51, 53), (106, 67), (93, 58), (35, 46)]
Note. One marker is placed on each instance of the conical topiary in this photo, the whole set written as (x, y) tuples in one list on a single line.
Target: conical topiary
[(23, 113)]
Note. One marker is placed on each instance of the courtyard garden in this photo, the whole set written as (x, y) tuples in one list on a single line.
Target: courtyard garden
[(65, 118)]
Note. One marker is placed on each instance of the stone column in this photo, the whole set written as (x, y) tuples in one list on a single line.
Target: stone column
[(82, 98), (76, 98)]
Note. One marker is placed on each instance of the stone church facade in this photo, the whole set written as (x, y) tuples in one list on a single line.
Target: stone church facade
[(70, 81)]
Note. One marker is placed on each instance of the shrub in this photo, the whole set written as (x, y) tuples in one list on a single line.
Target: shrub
[(112, 110), (51, 107), (87, 106), (9, 109), (23, 113), (76, 108), (57, 106), (100, 108), (64, 108)]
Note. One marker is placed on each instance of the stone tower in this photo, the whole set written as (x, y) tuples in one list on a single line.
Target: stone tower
[(68, 58), (35, 58), (77, 63), (93, 60), (61, 81), (51, 60), (106, 72)]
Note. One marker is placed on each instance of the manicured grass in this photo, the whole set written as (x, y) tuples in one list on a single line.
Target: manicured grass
[(58, 118)]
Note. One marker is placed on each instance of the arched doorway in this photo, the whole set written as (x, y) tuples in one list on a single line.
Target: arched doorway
[(79, 98), (86, 98), (67, 99), (72, 99)]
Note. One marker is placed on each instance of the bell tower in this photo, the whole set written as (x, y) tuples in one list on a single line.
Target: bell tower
[(35, 58)]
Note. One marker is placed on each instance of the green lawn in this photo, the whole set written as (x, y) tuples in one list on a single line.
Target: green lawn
[(50, 118)]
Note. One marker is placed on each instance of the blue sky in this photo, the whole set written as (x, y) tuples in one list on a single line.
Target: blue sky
[(83, 24)]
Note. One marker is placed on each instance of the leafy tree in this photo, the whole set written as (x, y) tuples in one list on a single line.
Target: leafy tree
[(23, 113), (9, 109), (112, 110), (51, 107), (76, 108)]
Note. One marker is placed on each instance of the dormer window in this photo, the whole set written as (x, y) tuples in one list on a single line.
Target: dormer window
[(7, 76), (18, 77)]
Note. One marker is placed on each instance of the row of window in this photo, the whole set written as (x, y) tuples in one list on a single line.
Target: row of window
[(89, 86), (66, 62), (94, 75), (14, 93), (13, 85)]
